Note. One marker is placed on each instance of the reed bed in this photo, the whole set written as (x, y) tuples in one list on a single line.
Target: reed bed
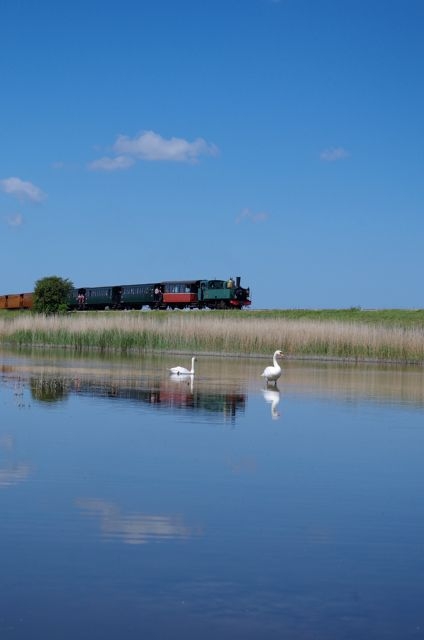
[(234, 333)]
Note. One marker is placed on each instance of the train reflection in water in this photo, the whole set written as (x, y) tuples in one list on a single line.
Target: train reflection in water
[(173, 393)]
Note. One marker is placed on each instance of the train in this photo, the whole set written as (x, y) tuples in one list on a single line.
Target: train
[(16, 301), (171, 294)]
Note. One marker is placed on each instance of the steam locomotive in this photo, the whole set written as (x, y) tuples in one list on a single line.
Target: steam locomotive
[(171, 294)]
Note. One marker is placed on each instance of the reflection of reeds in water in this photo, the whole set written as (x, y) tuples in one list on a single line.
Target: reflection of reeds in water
[(221, 382), (49, 383), (208, 332), (375, 382), (48, 389)]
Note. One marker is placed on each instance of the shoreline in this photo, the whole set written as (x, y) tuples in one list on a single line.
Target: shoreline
[(14, 348)]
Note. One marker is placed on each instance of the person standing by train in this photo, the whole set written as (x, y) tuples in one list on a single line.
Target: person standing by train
[(158, 293)]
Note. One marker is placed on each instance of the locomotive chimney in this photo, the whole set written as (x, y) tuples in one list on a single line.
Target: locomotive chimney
[(238, 281)]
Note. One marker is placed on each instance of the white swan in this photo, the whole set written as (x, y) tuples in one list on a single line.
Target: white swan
[(273, 373), (182, 371)]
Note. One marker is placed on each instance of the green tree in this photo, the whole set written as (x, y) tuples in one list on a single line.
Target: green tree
[(51, 295)]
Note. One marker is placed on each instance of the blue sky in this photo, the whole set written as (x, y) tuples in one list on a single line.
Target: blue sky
[(281, 141)]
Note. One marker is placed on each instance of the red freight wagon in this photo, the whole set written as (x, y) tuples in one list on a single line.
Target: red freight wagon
[(16, 301)]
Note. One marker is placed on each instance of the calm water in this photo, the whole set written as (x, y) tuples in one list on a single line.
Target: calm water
[(138, 506)]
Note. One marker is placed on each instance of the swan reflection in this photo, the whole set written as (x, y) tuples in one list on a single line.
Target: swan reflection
[(272, 397), (182, 378)]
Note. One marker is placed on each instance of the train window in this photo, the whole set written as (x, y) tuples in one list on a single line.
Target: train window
[(216, 284), (178, 287)]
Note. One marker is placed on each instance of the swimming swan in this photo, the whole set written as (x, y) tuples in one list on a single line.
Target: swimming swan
[(182, 371), (273, 373)]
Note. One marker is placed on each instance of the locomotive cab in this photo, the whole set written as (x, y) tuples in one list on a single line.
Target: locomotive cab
[(223, 294)]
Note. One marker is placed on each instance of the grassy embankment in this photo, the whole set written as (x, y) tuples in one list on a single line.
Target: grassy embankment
[(387, 335)]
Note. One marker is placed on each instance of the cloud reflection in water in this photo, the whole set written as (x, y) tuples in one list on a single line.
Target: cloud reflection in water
[(135, 528), (14, 474)]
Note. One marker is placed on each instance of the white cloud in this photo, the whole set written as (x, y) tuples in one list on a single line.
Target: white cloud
[(15, 220), (150, 146), (111, 164), (333, 154), (246, 214), (22, 190)]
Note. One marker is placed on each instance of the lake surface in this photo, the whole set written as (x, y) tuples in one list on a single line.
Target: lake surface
[(134, 505)]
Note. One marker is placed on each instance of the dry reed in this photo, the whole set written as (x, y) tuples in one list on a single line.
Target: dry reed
[(212, 332)]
